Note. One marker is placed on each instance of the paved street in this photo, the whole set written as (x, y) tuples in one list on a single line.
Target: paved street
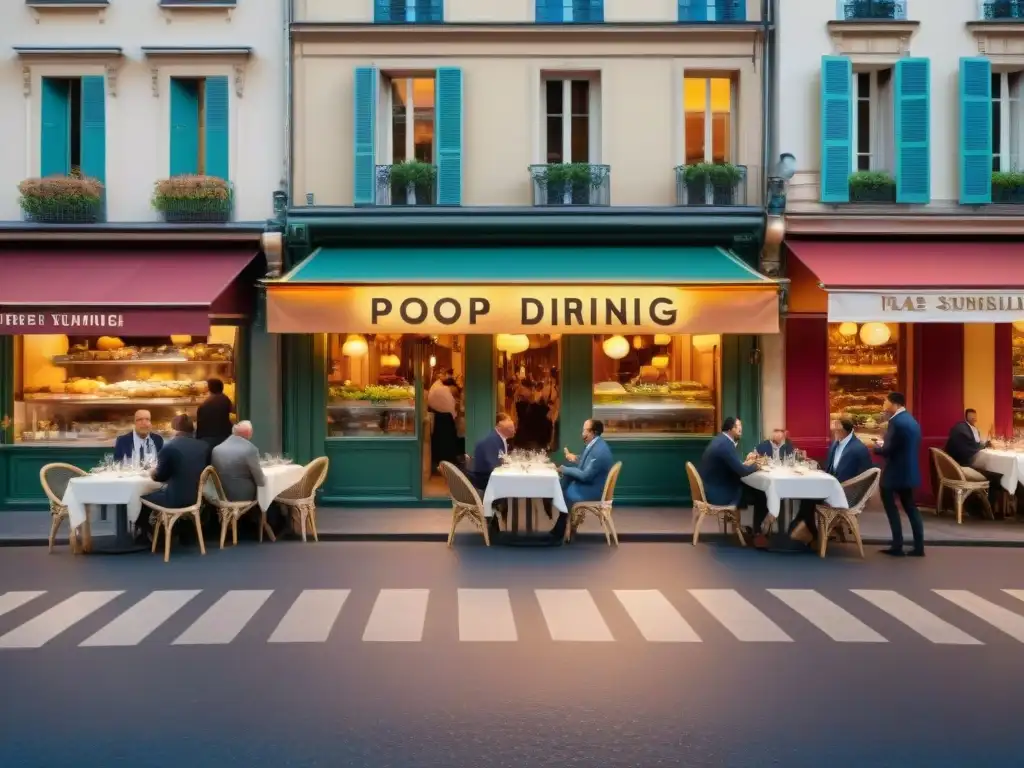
[(366, 654)]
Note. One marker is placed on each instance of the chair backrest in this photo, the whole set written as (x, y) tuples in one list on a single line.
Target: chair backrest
[(314, 476), (55, 478), (861, 488), (945, 467), (459, 487), (210, 477), (609, 484), (696, 484), (213, 489)]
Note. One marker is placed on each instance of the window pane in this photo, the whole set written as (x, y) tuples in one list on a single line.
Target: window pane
[(530, 392), (721, 123), (864, 126), (75, 143), (423, 117), (398, 119), (554, 140), (695, 110), (669, 387), (444, 385), (580, 139), (997, 85), (1014, 137), (997, 128), (860, 376), (553, 97), (1018, 376), (370, 390), (580, 97)]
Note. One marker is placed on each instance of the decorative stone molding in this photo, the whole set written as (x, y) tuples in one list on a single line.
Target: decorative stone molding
[(113, 70), (239, 80), (238, 58), (1002, 41), (272, 244), (872, 40), (26, 80), (110, 58), (172, 8), (80, 8)]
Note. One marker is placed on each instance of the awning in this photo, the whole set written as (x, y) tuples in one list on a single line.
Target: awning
[(523, 290), (130, 293), (918, 282)]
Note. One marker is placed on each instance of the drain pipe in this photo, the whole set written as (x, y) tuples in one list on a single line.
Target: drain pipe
[(286, 180), (767, 107)]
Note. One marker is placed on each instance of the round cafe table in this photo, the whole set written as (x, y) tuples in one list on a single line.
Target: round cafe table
[(523, 484)]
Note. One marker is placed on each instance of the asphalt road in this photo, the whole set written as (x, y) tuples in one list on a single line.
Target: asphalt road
[(414, 656)]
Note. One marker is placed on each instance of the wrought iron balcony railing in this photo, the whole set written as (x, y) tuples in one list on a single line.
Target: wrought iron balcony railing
[(571, 184), (711, 184), (407, 184), (867, 10), (1001, 10)]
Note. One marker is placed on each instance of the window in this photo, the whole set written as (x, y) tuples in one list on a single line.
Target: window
[(371, 385), (408, 11), (570, 11), (529, 389), (712, 10), (412, 106), (863, 365), (570, 120), (199, 126), (873, 121), (1018, 379), (657, 385), (1006, 123), (707, 109), (73, 128)]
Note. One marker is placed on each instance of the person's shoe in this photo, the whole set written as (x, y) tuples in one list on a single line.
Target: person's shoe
[(891, 552), (761, 541), (915, 553)]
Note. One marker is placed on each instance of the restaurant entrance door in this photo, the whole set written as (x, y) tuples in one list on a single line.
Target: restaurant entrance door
[(443, 409), (529, 387)]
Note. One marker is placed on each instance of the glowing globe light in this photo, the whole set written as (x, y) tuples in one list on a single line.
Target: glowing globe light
[(660, 362), (616, 347), (354, 346), (875, 334), (848, 329)]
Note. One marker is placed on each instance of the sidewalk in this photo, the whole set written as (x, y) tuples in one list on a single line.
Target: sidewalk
[(667, 524)]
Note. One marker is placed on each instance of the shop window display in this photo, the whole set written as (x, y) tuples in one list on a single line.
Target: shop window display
[(651, 385), (529, 388), (84, 391), (863, 367), (370, 386), (1018, 376)]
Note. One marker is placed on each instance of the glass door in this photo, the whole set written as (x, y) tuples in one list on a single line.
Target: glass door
[(443, 418), (529, 388)]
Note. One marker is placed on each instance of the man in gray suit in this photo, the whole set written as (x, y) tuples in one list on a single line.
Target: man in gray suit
[(237, 462)]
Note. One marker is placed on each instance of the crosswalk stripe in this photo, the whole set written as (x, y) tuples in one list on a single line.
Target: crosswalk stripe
[(225, 619), (9, 601), (655, 617), (485, 615), (572, 615), (43, 628), (141, 620), (925, 623), (839, 624), (1018, 593), (1009, 622), (311, 617), (398, 616), (741, 617)]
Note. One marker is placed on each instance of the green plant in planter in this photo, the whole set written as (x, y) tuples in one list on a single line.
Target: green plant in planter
[(720, 178), (1008, 187), (71, 199), (415, 174), (871, 9), (872, 187), (193, 198), (576, 179)]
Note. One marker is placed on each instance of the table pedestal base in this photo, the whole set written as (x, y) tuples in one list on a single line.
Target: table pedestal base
[(122, 542), (525, 540)]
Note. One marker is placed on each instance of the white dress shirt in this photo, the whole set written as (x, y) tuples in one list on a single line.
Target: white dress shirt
[(440, 398), (975, 432), (144, 447), (839, 451)]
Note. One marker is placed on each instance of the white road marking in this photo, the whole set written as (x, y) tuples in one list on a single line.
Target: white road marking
[(311, 617), (572, 616), (741, 617), (655, 617), (925, 623), (1009, 622), (838, 623), (38, 631), (9, 601), (138, 622), (398, 616), (226, 618), (485, 615)]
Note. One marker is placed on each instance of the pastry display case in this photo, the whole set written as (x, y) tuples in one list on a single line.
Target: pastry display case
[(85, 391), (649, 410), (1018, 378), (387, 410), (863, 367)]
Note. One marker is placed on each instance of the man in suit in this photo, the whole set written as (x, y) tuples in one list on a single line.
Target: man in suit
[(179, 466), (964, 442), (777, 447), (487, 453), (584, 476), (901, 474), (213, 419), (722, 473), (237, 462), (141, 444)]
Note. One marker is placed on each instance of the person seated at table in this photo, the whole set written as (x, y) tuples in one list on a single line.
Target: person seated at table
[(237, 462), (777, 447), (583, 477), (964, 445), (179, 465), (848, 457), (722, 473), (141, 444), (487, 453)]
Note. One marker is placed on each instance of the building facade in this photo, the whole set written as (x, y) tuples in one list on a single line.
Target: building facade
[(561, 202), (902, 220), (143, 144)]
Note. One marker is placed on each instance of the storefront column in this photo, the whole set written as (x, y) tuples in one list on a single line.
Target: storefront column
[(1004, 380), (265, 391), (481, 389), (979, 373), (741, 386), (806, 366), (938, 400), (6, 387), (305, 400), (577, 382)]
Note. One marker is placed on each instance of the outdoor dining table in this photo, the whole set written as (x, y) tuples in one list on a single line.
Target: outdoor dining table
[(522, 482), (279, 478), (781, 485), (1008, 464), (121, 490)]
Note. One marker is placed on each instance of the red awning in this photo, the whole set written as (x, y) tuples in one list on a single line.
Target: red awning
[(130, 293)]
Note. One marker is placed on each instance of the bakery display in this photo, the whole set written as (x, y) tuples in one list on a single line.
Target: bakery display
[(860, 377), (1018, 378), (644, 409), (374, 410)]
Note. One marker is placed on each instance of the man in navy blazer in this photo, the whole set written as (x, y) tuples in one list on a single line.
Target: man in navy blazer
[(141, 443), (584, 476), (179, 466), (487, 453), (777, 447), (901, 474), (722, 473)]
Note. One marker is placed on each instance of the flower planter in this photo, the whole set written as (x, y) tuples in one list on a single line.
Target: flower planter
[(62, 200), (193, 199), (872, 194), (1008, 195)]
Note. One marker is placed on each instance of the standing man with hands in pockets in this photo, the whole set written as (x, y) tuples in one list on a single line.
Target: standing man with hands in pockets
[(901, 475)]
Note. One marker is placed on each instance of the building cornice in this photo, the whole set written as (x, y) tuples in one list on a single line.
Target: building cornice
[(973, 225), (111, 57), (238, 232), (238, 57)]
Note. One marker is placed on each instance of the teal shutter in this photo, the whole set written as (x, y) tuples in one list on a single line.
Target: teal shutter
[(693, 10), (364, 183), (217, 143), (55, 147), (382, 12), (975, 131), (94, 128), (913, 102), (448, 129), (184, 127), (730, 10), (836, 128), (549, 12)]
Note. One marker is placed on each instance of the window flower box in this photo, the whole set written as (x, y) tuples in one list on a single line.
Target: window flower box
[(73, 199), (193, 199), (872, 187)]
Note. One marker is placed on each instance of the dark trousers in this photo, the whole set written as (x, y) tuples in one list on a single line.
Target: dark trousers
[(755, 498), (906, 498), (806, 516)]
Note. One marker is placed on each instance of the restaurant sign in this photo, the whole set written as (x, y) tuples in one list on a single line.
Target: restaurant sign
[(926, 307), (101, 322), (491, 309)]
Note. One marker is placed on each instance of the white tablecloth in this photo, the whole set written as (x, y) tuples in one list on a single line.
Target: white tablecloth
[(514, 483), (780, 483), (106, 489), (1008, 464), (279, 479)]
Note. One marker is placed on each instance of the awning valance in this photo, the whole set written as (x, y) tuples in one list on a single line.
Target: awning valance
[(129, 293), (918, 282), (523, 290)]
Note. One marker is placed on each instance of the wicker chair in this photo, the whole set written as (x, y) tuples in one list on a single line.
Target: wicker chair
[(859, 491), (55, 478), (300, 499), (963, 481), (165, 517), (602, 509), (727, 515), (228, 512), (465, 501)]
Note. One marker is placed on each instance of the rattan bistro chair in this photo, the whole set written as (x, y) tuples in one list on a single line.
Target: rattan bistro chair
[(55, 478), (165, 517), (228, 512), (727, 515), (602, 509), (964, 482), (859, 491), (300, 499), (465, 501)]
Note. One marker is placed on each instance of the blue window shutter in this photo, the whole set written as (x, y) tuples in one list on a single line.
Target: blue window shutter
[(913, 104), (429, 11), (94, 128), (448, 129), (693, 10), (596, 12), (364, 182), (836, 128), (382, 11), (218, 146), (184, 127), (730, 10), (548, 12), (54, 148), (975, 131)]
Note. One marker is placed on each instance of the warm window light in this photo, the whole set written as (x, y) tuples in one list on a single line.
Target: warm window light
[(512, 343), (616, 347), (181, 341), (1019, 325), (433, 361), (875, 334), (660, 362), (848, 329), (705, 343), (390, 361), (638, 342), (662, 340), (354, 346)]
